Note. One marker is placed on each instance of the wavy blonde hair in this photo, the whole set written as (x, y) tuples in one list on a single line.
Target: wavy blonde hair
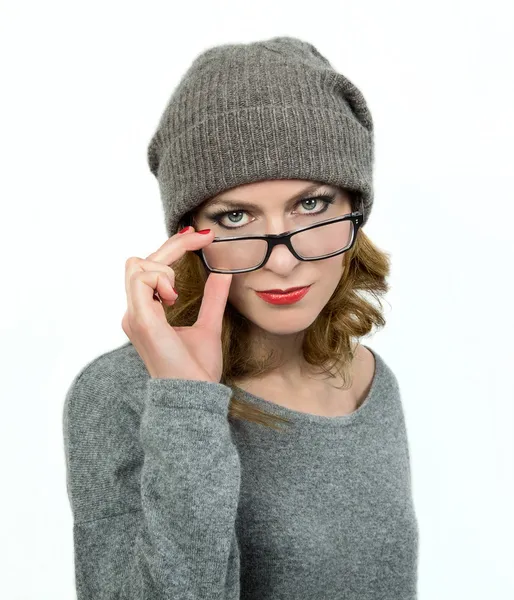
[(327, 343)]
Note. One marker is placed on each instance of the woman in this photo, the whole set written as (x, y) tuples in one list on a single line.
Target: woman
[(242, 444)]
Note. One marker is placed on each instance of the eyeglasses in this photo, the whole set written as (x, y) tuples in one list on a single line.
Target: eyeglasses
[(241, 254)]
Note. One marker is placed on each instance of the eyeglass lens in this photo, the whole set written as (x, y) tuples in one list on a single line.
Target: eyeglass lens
[(234, 255)]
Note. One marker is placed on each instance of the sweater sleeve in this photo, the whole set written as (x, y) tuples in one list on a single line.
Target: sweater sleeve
[(154, 495)]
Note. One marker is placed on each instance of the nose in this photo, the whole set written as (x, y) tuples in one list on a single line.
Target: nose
[(281, 260)]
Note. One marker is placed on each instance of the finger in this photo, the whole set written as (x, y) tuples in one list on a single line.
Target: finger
[(190, 229), (177, 245), (210, 315), (143, 285), (165, 301), (135, 264)]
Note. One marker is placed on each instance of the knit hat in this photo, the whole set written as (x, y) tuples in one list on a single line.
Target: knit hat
[(271, 109)]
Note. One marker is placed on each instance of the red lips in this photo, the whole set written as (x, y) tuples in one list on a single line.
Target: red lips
[(283, 291)]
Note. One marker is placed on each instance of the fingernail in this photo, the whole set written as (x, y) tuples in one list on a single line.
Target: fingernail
[(203, 231), (184, 230)]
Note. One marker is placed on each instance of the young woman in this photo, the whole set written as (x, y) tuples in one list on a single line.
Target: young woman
[(243, 444)]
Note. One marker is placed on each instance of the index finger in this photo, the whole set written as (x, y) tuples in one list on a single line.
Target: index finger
[(177, 245)]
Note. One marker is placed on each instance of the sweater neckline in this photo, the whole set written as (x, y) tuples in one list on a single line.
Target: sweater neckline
[(303, 418)]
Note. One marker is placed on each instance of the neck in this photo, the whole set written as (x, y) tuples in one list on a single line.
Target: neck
[(289, 366)]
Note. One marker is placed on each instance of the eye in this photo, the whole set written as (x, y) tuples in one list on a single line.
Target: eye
[(235, 216), (325, 201), (314, 203), (231, 216)]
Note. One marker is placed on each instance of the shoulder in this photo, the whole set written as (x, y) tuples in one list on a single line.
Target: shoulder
[(373, 370), (364, 358), (118, 374), (101, 423), (364, 369), (369, 365)]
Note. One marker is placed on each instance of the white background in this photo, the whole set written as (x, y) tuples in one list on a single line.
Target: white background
[(83, 86)]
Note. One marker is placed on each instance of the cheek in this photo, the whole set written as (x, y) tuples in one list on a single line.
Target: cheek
[(238, 286), (332, 268)]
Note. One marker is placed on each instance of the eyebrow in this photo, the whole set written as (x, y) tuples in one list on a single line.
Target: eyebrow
[(235, 204)]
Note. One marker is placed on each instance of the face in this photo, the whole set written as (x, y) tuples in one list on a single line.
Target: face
[(279, 205)]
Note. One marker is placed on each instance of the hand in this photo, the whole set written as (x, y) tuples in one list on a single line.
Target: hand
[(174, 352)]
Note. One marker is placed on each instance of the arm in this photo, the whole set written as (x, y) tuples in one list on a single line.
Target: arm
[(154, 497)]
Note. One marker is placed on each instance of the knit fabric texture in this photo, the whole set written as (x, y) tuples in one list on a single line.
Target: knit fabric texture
[(171, 499), (270, 109)]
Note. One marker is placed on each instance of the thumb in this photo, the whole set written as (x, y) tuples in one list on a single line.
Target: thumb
[(214, 300)]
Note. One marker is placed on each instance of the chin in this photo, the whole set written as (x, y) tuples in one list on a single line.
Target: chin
[(283, 330), (281, 320)]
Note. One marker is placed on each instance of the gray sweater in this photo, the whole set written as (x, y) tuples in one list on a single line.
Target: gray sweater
[(172, 500)]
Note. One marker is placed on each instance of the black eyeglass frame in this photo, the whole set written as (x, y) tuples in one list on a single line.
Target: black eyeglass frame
[(275, 239)]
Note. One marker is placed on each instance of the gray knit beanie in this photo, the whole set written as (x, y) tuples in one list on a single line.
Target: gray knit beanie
[(271, 109)]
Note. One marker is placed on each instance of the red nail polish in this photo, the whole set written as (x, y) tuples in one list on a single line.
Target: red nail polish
[(204, 231), (184, 230)]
